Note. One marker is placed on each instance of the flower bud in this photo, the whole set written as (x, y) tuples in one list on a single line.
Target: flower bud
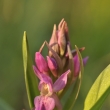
[(41, 63), (76, 65), (62, 38), (85, 60), (54, 42), (52, 65)]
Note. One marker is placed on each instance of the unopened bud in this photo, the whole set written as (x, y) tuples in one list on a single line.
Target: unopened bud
[(52, 65), (41, 63), (54, 42), (85, 60), (76, 65), (62, 38)]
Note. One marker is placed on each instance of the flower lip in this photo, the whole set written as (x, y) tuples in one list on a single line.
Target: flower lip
[(44, 103), (48, 99)]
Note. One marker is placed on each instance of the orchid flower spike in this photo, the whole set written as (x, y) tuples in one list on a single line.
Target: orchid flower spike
[(60, 59)]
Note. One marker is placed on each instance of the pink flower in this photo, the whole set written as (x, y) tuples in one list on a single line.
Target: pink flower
[(48, 98)]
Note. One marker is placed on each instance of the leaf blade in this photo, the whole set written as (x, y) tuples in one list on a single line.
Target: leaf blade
[(30, 80), (99, 91)]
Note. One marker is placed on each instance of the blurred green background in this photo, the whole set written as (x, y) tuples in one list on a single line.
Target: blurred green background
[(89, 26)]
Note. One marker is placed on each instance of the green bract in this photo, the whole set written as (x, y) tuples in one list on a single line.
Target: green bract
[(75, 91)]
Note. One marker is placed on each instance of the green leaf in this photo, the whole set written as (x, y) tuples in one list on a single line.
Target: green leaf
[(30, 78), (99, 91), (75, 91)]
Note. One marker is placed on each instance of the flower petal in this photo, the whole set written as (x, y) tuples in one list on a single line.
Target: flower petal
[(43, 79), (37, 72), (60, 82), (47, 80)]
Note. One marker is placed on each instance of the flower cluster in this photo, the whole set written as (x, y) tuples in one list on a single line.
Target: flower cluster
[(60, 68)]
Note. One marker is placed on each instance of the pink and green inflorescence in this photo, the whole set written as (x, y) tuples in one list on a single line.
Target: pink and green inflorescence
[(58, 70)]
